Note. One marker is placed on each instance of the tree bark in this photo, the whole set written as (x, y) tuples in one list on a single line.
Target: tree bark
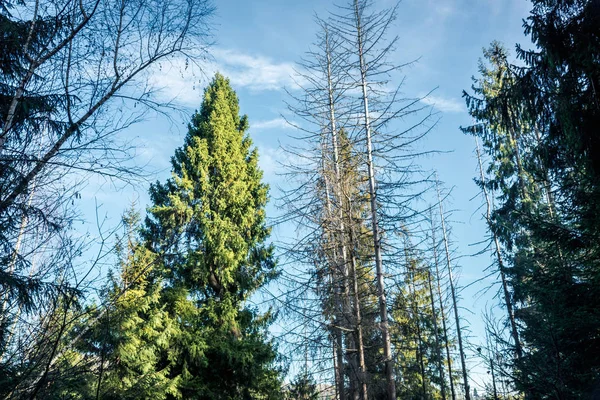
[(437, 338), (339, 194)]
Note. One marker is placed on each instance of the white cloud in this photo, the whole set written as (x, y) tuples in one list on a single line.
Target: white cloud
[(179, 81), (440, 11), (276, 123), (254, 71), (183, 81), (444, 104)]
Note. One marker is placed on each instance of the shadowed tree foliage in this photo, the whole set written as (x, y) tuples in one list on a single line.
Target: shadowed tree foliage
[(303, 388), (539, 126), (72, 74)]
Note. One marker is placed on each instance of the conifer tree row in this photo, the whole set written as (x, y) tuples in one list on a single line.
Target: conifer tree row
[(537, 120), (174, 321)]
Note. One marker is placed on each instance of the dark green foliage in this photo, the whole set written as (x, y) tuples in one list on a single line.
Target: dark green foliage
[(540, 124), (303, 388), (234, 367), (19, 289), (414, 335)]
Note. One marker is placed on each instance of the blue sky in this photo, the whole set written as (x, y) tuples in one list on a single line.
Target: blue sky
[(257, 44)]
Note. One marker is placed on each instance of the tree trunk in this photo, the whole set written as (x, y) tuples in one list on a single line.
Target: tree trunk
[(337, 300), (442, 310), (359, 370), (454, 302), (412, 292), (387, 347), (358, 316), (436, 335), (493, 372), (499, 259)]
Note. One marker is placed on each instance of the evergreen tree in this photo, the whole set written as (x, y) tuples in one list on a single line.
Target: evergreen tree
[(131, 338), (539, 124), (121, 345), (19, 288), (414, 335), (560, 86), (209, 222), (303, 388)]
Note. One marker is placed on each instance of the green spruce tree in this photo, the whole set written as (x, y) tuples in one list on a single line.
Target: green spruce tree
[(303, 387), (414, 335), (208, 221), (133, 335), (121, 346)]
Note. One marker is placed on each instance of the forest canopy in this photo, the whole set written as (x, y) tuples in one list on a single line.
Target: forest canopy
[(317, 254)]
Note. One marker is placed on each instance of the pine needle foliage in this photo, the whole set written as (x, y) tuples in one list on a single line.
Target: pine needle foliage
[(208, 220)]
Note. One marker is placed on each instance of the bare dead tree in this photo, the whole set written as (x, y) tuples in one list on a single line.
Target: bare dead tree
[(322, 110), (387, 349), (454, 296), (438, 279), (82, 68), (343, 88), (385, 149)]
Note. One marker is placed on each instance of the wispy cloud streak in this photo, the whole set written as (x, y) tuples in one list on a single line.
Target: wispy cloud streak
[(446, 105), (182, 81), (254, 72)]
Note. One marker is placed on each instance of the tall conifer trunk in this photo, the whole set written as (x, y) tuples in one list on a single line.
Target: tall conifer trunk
[(387, 347), (442, 309), (454, 301), (438, 348), (498, 253), (338, 301), (342, 230)]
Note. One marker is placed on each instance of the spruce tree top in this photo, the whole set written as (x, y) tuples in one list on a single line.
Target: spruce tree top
[(210, 215)]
